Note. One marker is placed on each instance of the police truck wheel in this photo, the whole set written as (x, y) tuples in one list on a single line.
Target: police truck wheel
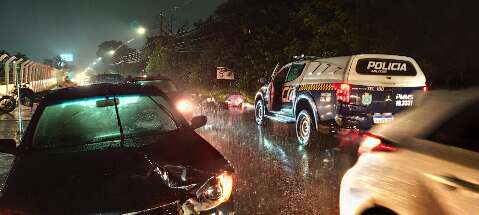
[(305, 129), (259, 112)]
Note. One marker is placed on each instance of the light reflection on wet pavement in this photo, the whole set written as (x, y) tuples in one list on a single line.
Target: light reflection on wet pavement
[(274, 174)]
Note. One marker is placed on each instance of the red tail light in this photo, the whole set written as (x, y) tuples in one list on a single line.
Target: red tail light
[(425, 88), (343, 91), (372, 143)]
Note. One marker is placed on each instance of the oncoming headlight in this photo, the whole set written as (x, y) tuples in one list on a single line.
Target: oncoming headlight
[(184, 106), (213, 193)]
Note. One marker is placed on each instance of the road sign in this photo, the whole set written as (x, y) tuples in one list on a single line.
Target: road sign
[(224, 73)]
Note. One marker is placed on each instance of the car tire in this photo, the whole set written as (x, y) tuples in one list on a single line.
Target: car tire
[(259, 113), (26, 101), (305, 128)]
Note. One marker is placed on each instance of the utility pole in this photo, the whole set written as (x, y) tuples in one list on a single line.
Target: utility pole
[(162, 16)]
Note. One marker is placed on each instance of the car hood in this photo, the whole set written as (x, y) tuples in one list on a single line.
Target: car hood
[(175, 96), (122, 179)]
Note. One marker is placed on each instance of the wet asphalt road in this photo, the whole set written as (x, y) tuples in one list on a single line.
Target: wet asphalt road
[(273, 174)]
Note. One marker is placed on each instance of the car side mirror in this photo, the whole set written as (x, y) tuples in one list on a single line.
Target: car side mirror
[(8, 146), (198, 121), (262, 81)]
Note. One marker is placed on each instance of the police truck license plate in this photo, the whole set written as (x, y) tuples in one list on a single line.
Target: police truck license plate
[(380, 119)]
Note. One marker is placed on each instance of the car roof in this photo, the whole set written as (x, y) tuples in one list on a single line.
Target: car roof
[(428, 114), (99, 90)]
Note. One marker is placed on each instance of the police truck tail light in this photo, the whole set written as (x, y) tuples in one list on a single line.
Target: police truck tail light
[(373, 143), (343, 92)]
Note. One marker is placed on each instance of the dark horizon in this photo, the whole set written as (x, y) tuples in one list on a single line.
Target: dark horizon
[(79, 27)]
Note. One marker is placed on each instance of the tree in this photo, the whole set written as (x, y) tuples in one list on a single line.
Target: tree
[(21, 56), (59, 62), (4, 52), (49, 62), (105, 47)]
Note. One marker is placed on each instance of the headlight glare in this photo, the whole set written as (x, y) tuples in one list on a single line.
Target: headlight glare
[(214, 192), (184, 106)]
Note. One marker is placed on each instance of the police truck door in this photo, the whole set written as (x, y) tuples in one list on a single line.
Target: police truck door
[(288, 91)]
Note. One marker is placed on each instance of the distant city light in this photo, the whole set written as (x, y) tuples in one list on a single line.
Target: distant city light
[(111, 52)]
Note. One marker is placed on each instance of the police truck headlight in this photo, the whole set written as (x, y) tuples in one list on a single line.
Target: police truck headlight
[(213, 193)]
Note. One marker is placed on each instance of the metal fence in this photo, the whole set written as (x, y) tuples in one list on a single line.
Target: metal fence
[(36, 76)]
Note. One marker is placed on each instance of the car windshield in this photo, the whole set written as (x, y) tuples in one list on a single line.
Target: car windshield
[(166, 86), (95, 119)]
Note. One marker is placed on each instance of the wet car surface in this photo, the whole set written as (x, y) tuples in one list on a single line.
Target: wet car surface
[(157, 164), (274, 174)]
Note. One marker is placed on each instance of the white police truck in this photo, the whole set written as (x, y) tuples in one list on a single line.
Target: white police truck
[(348, 92)]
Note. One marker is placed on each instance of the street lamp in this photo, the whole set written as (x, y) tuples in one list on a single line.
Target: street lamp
[(141, 30), (111, 52)]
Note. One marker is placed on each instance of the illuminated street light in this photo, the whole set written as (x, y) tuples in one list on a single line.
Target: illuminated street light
[(111, 52), (141, 30)]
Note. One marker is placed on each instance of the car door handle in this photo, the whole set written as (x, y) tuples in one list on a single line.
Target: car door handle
[(455, 182)]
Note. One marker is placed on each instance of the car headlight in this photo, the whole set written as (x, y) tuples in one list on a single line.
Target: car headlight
[(184, 106), (213, 193)]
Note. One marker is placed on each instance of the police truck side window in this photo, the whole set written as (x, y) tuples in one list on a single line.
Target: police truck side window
[(295, 72), (281, 76), (459, 131)]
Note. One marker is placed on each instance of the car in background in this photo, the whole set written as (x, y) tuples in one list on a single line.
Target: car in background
[(424, 162), (114, 149), (183, 102), (235, 100), (112, 78), (339, 93)]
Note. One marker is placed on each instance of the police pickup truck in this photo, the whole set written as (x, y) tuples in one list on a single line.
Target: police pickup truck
[(349, 92)]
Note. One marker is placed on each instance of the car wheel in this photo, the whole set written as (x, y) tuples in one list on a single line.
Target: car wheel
[(305, 129), (259, 113), (26, 101), (7, 104)]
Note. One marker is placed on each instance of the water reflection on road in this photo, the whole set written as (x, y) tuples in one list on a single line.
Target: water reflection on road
[(274, 174)]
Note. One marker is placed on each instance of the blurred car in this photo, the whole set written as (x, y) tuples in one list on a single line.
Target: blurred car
[(425, 162), (114, 149), (112, 78), (183, 103), (235, 100)]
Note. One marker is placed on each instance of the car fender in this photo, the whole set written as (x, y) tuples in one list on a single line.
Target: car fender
[(259, 95), (312, 105)]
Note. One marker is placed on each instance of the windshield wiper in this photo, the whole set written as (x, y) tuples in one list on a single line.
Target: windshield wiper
[(122, 135)]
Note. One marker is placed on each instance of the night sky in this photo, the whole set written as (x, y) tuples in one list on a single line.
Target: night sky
[(44, 28)]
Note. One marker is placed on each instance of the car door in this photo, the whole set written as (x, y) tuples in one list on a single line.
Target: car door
[(275, 88), (452, 174), (288, 90)]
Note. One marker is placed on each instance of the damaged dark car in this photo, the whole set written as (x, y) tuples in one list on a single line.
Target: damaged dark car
[(115, 149)]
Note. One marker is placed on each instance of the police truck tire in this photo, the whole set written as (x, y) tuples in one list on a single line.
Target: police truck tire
[(259, 113), (305, 128)]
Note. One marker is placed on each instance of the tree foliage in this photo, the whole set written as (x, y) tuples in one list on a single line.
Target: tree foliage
[(251, 37), (105, 47)]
